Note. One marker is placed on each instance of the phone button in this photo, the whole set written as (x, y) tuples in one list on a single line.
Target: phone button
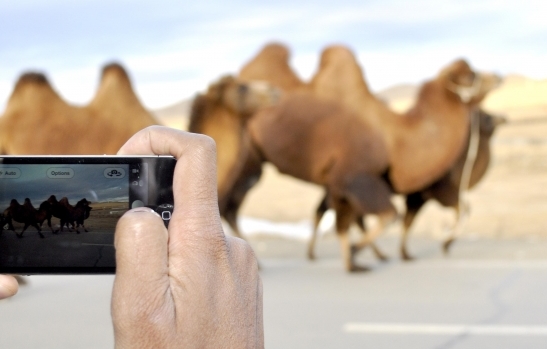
[(60, 172), (114, 172), (165, 211)]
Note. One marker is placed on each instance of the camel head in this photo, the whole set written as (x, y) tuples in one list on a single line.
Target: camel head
[(489, 123), (221, 113), (471, 87), (244, 98)]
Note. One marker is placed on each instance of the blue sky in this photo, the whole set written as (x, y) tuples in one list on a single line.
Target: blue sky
[(173, 49)]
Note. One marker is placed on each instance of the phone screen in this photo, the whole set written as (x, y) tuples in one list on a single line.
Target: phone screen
[(62, 216)]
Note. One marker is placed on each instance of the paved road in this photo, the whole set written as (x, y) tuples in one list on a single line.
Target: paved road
[(487, 294)]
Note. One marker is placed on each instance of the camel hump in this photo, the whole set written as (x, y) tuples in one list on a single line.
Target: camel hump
[(338, 54), (271, 64), (33, 80), (115, 71), (340, 77), (116, 100), (36, 78), (115, 86)]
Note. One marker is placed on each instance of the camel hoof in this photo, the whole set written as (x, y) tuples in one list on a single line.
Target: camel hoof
[(311, 256), (354, 249), (19, 235), (358, 269), (382, 258), (407, 258), (446, 246), (41, 235)]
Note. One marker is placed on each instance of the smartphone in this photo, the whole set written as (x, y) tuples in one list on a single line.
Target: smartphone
[(58, 214)]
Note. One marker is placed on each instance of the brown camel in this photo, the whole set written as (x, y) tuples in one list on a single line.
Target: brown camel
[(222, 113), (423, 143), (446, 190), (321, 142), (271, 65), (28, 215), (37, 121)]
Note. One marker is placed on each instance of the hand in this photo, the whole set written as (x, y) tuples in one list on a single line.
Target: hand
[(8, 286), (189, 286)]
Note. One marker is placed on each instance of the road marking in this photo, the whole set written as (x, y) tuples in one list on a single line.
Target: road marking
[(454, 329)]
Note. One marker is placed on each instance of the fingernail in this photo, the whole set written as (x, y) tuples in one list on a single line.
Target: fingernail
[(145, 209)]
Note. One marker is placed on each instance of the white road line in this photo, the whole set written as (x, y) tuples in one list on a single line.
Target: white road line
[(454, 329)]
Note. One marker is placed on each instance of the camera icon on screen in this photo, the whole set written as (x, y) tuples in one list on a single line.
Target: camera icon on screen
[(114, 172)]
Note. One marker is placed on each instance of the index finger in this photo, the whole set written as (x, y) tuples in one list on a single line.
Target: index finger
[(194, 181)]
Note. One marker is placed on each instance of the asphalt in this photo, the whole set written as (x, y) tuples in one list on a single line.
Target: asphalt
[(488, 293)]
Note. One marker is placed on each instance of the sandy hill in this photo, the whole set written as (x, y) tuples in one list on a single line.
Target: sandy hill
[(175, 115)]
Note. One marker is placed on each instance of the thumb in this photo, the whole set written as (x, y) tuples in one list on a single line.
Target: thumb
[(8, 286), (141, 264)]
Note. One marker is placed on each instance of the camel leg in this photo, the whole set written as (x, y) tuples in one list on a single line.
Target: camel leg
[(319, 213), (379, 254), (48, 224), (414, 203), (384, 219), (344, 218), (456, 230)]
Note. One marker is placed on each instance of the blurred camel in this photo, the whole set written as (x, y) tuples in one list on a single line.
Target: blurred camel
[(271, 65), (295, 119), (424, 142), (446, 190), (222, 113), (37, 121)]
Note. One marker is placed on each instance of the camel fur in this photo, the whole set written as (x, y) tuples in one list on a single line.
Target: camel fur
[(446, 190), (38, 121), (221, 113)]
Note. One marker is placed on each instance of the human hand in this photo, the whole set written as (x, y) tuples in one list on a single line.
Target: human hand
[(8, 286), (190, 285)]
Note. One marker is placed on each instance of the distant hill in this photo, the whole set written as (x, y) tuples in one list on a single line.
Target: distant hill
[(175, 115)]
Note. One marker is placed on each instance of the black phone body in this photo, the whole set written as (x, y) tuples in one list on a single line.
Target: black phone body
[(58, 214)]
